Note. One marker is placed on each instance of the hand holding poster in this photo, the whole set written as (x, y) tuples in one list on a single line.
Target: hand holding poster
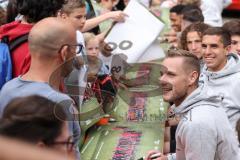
[(136, 34)]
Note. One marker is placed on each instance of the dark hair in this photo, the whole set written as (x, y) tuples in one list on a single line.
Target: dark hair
[(195, 27), (219, 31), (190, 60), (35, 10), (32, 119), (12, 11), (192, 13), (2, 16), (177, 9), (190, 7), (193, 16), (233, 27)]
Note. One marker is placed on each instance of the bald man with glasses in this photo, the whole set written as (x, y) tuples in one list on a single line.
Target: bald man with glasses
[(52, 42)]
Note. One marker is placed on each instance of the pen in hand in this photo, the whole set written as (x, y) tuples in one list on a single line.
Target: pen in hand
[(152, 157)]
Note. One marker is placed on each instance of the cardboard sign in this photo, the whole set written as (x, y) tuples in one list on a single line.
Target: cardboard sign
[(136, 34)]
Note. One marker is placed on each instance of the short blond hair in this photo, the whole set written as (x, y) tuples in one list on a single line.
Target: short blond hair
[(88, 36)]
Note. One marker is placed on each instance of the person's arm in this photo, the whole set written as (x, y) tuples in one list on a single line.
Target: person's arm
[(101, 36), (117, 16), (167, 139)]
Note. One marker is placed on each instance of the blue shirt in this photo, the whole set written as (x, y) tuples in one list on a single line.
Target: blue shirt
[(22, 88)]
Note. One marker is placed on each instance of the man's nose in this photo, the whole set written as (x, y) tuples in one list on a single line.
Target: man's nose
[(162, 79), (194, 46), (207, 50)]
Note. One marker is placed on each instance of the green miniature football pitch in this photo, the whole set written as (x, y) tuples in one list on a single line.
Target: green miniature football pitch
[(102, 141), (139, 125)]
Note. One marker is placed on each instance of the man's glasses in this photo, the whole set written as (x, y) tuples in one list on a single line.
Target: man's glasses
[(69, 144), (79, 47)]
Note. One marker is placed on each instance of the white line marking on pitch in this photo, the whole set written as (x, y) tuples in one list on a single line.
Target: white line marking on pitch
[(90, 141), (99, 150), (106, 133)]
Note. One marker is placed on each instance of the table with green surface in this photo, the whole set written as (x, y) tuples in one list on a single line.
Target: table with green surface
[(139, 125), (103, 141), (139, 119)]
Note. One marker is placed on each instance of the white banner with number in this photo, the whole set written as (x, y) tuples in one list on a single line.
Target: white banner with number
[(136, 34)]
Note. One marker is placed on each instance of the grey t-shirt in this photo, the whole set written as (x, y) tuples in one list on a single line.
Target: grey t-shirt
[(21, 88)]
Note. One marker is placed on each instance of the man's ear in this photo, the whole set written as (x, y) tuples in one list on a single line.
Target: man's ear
[(193, 77), (62, 15), (227, 50), (63, 53)]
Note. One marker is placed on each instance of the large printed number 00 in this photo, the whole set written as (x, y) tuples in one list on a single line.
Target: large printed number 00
[(124, 45), (116, 69)]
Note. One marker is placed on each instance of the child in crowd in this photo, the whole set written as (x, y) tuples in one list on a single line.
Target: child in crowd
[(93, 49), (75, 11), (102, 83)]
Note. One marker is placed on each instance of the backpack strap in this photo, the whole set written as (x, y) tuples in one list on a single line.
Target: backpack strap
[(18, 41), (5, 40), (15, 42)]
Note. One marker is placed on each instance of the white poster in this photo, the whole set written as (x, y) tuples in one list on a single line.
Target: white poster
[(154, 51), (136, 34)]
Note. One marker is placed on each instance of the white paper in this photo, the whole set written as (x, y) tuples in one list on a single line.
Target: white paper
[(153, 52), (141, 28)]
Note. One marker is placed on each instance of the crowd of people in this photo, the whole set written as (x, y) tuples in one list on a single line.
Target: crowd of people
[(40, 41)]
